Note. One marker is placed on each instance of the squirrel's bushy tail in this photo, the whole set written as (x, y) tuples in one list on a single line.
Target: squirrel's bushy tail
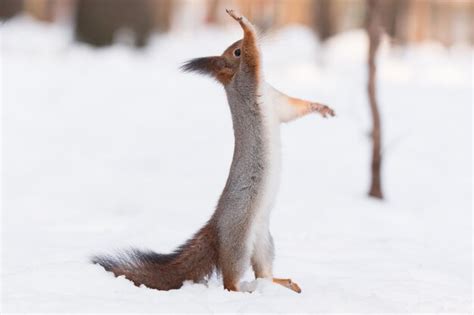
[(194, 260)]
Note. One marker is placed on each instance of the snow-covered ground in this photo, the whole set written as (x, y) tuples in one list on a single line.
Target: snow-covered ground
[(108, 148)]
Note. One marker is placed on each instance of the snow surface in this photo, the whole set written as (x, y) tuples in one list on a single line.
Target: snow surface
[(108, 148)]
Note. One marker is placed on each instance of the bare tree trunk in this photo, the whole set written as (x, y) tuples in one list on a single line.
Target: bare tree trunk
[(162, 14), (325, 21), (374, 31), (212, 7), (295, 12), (393, 16), (97, 21), (42, 10), (9, 8)]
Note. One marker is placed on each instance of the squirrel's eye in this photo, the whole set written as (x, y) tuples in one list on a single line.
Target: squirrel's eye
[(237, 52)]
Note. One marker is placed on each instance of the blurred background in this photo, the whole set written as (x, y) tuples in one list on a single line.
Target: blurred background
[(106, 144), (99, 22)]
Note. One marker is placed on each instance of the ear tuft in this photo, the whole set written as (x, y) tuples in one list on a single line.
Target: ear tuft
[(199, 65)]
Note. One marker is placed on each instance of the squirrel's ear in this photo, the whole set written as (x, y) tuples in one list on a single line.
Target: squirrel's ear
[(206, 65)]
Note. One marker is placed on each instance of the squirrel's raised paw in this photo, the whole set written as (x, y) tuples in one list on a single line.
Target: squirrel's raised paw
[(234, 15), (324, 110), (244, 23)]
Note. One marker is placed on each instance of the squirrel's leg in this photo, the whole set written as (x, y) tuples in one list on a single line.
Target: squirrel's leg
[(232, 266), (262, 261), (262, 256), (231, 284), (234, 254), (290, 108)]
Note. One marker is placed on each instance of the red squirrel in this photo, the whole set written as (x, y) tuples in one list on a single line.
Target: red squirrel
[(237, 235)]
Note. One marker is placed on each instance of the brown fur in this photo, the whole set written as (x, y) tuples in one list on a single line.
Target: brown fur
[(195, 260), (250, 60), (224, 67)]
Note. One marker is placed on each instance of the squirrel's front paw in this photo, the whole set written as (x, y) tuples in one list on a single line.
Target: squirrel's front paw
[(244, 23), (234, 15), (324, 110)]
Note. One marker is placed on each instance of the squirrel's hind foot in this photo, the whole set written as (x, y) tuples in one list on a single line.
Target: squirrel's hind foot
[(288, 283)]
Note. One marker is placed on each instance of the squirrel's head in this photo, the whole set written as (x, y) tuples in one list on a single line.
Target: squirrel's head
[(222, 67)]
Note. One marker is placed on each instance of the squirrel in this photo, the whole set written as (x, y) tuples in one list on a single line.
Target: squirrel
[(237, 235)]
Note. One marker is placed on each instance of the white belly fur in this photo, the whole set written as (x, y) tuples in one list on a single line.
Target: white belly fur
[(272, 170)]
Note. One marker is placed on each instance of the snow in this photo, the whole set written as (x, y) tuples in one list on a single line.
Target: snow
[(108, 148)]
